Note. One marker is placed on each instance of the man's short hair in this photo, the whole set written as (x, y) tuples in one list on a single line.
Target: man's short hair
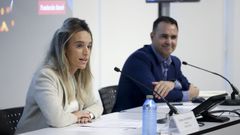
[(165, 19)]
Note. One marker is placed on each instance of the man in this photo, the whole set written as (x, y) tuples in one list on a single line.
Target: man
[(155, 67)]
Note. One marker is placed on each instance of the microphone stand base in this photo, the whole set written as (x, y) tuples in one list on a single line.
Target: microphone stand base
[(162, 121), (231, 102)]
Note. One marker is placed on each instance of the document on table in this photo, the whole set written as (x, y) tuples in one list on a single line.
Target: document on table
[(113, 121)]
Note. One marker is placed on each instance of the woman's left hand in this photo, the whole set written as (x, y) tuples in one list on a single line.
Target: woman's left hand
[(85, 120), (83, 117)]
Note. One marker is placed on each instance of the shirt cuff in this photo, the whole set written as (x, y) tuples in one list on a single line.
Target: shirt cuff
[(177, 85), (91, 116), (185, 96)]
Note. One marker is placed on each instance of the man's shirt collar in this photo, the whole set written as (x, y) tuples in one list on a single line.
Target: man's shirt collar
[(160, 57)]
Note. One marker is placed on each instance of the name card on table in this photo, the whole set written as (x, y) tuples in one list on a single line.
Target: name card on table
[(185, 123)]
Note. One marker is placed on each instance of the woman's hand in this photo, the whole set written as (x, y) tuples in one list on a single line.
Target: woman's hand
[(83, 117)]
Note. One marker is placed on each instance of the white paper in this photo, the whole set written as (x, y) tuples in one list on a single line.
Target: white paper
[(186, 123), (114, 122)]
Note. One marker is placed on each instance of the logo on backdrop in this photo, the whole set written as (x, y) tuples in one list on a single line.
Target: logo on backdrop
[(51, 7), (6, 23)]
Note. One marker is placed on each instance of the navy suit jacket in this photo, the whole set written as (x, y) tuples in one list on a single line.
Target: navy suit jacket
[(144, 66)]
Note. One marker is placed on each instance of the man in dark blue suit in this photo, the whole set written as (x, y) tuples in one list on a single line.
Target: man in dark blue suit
[(154, 66)]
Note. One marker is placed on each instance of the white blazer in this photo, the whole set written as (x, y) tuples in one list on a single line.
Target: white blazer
[(45, 103)]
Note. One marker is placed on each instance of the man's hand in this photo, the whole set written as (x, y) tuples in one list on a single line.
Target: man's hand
[(193, 91), (162, 88)]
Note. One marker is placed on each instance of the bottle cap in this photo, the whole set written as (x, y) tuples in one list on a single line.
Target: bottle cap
[(149, 96)]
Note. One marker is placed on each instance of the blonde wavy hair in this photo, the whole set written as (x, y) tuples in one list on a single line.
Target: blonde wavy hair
[(57, 59)]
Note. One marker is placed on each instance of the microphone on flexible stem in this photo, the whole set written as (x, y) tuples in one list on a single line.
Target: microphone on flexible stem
[(235, 91), (172, 108)]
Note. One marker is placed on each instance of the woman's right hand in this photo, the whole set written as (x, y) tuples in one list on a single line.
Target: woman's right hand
[(83, 117)]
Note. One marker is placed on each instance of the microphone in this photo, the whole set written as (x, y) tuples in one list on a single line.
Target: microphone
[(172, 108), (233, 100)]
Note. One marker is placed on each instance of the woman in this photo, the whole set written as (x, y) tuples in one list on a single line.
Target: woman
[(61, 92)]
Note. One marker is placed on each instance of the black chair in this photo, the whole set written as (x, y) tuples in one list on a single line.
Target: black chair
[(9, 119), (108, 97)]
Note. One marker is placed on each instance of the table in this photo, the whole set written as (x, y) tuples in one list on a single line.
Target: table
[(129, 122)]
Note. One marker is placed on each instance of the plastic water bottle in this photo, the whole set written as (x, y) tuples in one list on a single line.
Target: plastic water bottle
[(149, 116)]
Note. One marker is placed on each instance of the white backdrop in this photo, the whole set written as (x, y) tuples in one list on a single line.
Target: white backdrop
[(206, 39)]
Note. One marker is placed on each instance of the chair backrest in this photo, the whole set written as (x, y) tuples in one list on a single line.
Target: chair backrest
[(9, 119), (108, 97)]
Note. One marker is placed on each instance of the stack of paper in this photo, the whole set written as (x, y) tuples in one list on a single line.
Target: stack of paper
[(209, 93)]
